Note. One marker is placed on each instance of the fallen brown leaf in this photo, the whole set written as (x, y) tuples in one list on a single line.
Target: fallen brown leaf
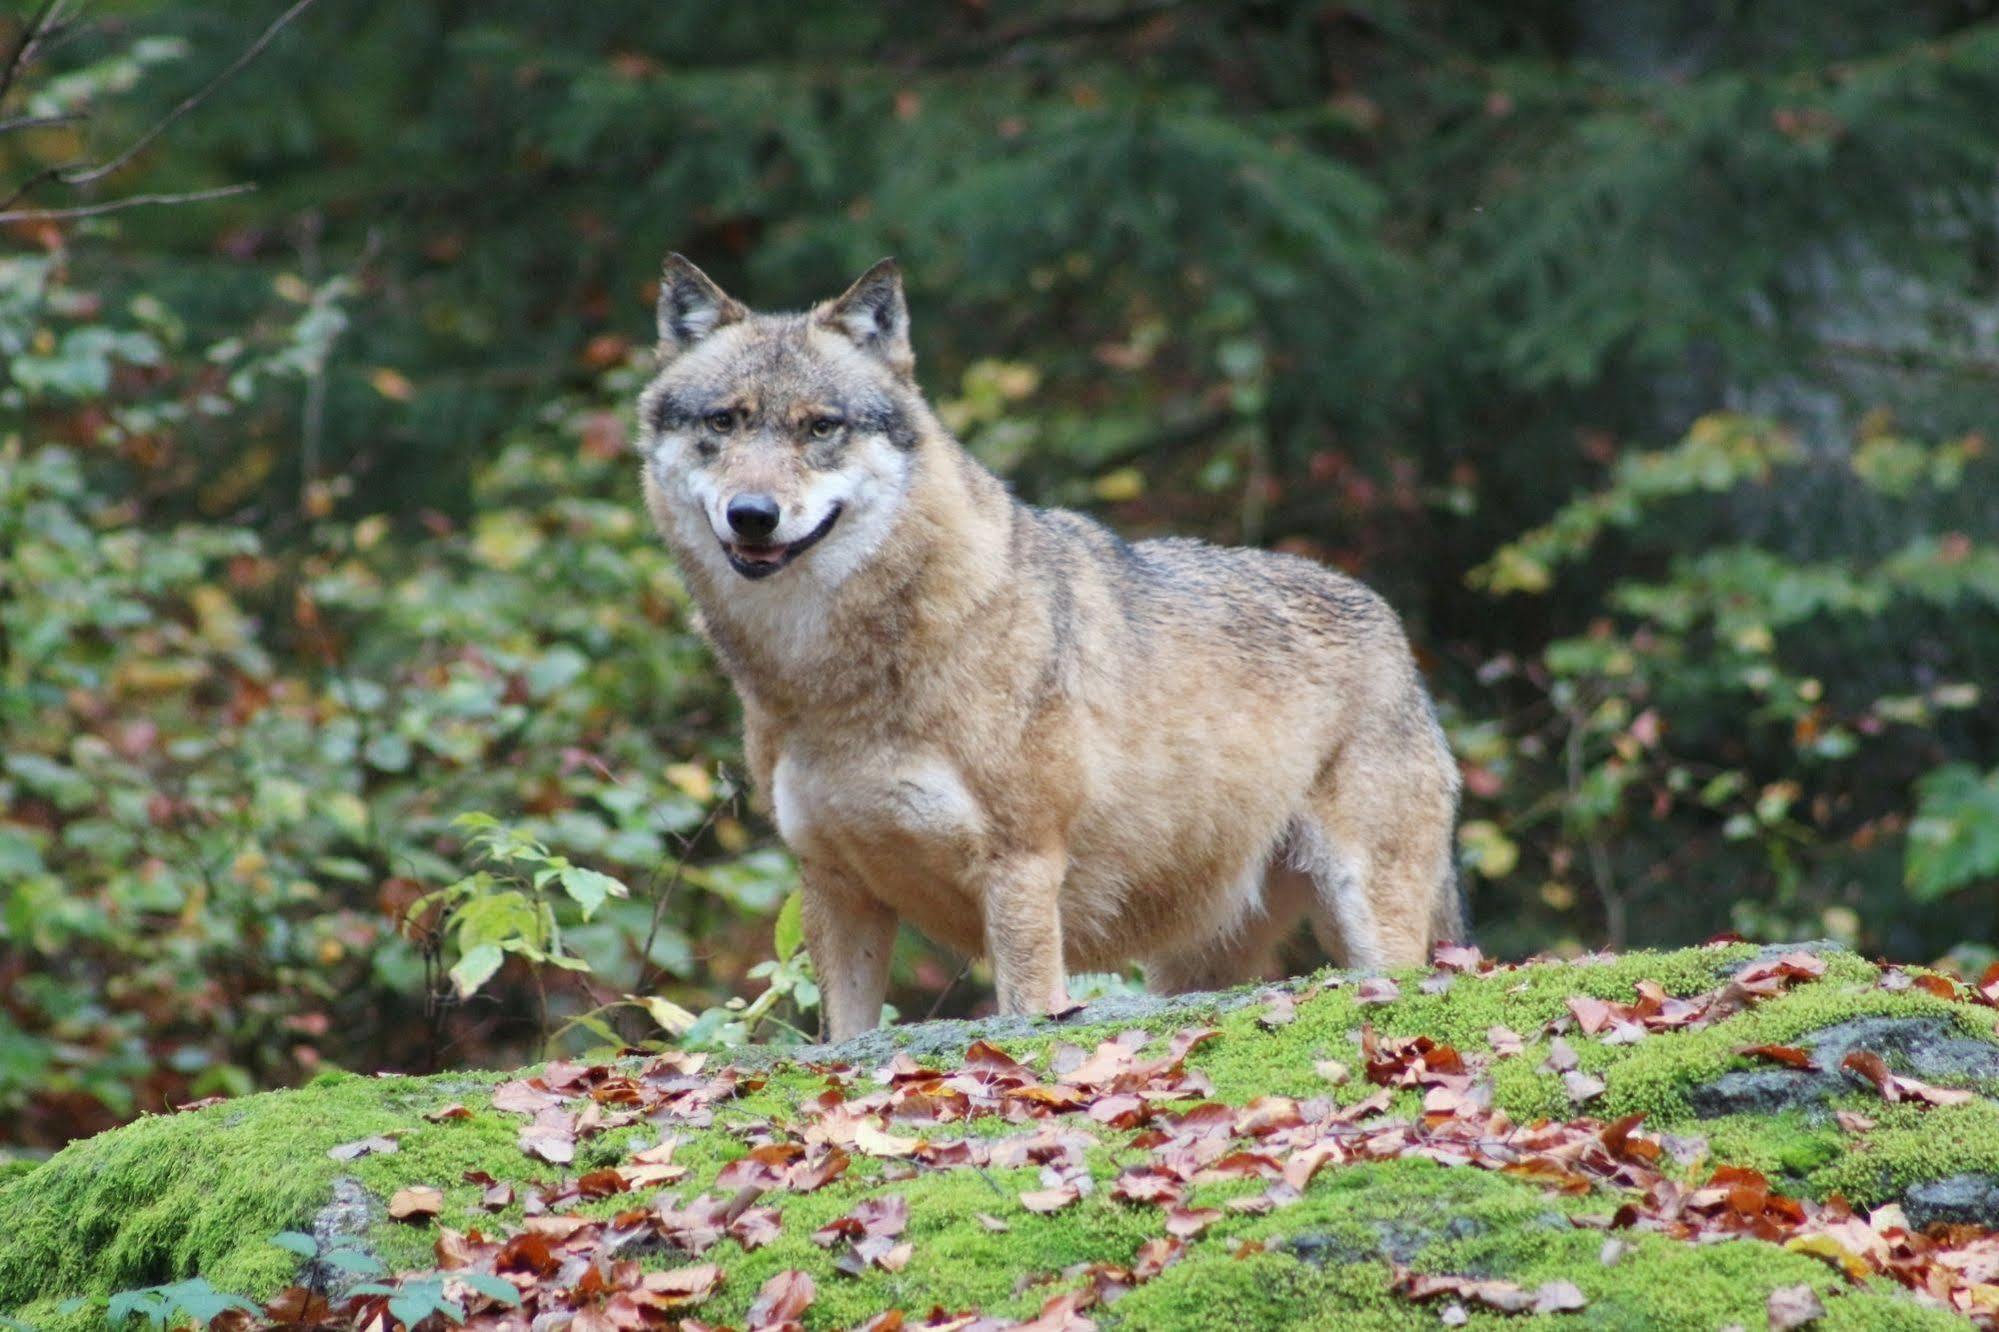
[(418, 1202)]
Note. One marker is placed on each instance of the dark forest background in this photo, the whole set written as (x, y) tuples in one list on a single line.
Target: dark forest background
[(1644, 355)]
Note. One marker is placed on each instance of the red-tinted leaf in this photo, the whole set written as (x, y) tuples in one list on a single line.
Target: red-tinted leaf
[(1059, 1314), (1620, 1142), (678, 1286), (1939, 986), (1050, 1200), (1186, 1223), (1592, 1015), (1457, 957), (1788, 1055), (1156, 1255), (783, 1298), (1875, 1069), (600, 1184), (527, 1252), (1377, 990)]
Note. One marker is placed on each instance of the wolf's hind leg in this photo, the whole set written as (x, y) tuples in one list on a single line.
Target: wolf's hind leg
[(850, 936), (1376, 843)]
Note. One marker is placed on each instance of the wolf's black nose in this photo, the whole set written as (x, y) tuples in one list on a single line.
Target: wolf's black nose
[(753, 517)]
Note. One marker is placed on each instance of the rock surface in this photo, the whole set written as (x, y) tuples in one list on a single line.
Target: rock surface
[(1362, 1244)]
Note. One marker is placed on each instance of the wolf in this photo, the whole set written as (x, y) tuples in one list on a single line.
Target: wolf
[(1005, 725)]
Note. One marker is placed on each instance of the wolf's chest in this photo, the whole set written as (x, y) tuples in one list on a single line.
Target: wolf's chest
[(905, 829), (875, 807)]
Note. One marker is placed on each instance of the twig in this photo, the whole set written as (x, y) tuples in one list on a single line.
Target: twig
[(47, 173), (12, 123), (24, 46), (312, 412), (119, 205), (945, 993), (665, 895), (191, 101), (1593, 845)]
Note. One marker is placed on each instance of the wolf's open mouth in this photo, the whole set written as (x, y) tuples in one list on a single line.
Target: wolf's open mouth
[(753, 561)]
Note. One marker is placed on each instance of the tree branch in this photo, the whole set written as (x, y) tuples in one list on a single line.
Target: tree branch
[(40, 122), (119, 205), (24, 46), (191, 101), (27, 186)]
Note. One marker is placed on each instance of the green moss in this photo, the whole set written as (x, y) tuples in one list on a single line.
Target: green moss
[(1213, 1289), (1806, 1152), (1250, 1062), (1654, 1075), (172, 1196), (1327, 1263), (959, 1263), (202, 1193), (1909, 1145)]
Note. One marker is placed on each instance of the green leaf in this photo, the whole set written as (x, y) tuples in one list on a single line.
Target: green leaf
[(202, 1302), (671, 1017), (298, 1242), (1954, 838), (504, 917), (789, 934), (476, 968), (128, 1304), (492, 1287), (351, 1258), (589, 889)]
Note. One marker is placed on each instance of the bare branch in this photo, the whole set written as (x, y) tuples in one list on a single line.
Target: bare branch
[(119, 205), (47, 173), (41, 122), (24, 46), (191, 101)]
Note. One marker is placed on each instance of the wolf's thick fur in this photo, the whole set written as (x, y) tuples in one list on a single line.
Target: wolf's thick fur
[(1007, 726)]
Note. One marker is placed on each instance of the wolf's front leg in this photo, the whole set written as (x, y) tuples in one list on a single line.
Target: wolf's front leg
[(1022, 897), (850, 936)]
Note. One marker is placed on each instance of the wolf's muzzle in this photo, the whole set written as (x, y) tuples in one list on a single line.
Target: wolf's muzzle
[(756, 561), (753, 517)]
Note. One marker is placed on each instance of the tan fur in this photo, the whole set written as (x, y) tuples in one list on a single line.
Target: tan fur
[(1029, 740)]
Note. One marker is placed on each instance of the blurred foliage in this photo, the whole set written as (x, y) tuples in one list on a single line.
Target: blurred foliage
[(1709, 719), (1639, 353)]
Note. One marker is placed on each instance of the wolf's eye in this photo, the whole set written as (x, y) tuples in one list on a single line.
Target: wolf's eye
[(826, 427), (721, 422)]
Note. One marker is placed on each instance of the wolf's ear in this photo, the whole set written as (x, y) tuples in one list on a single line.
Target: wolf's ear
[(874, 315), (691, 307)]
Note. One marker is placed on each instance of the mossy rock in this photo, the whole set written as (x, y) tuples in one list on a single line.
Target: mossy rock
[(203, 1192)]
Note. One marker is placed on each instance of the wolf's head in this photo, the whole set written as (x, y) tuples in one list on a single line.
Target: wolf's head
[(779, 439)]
